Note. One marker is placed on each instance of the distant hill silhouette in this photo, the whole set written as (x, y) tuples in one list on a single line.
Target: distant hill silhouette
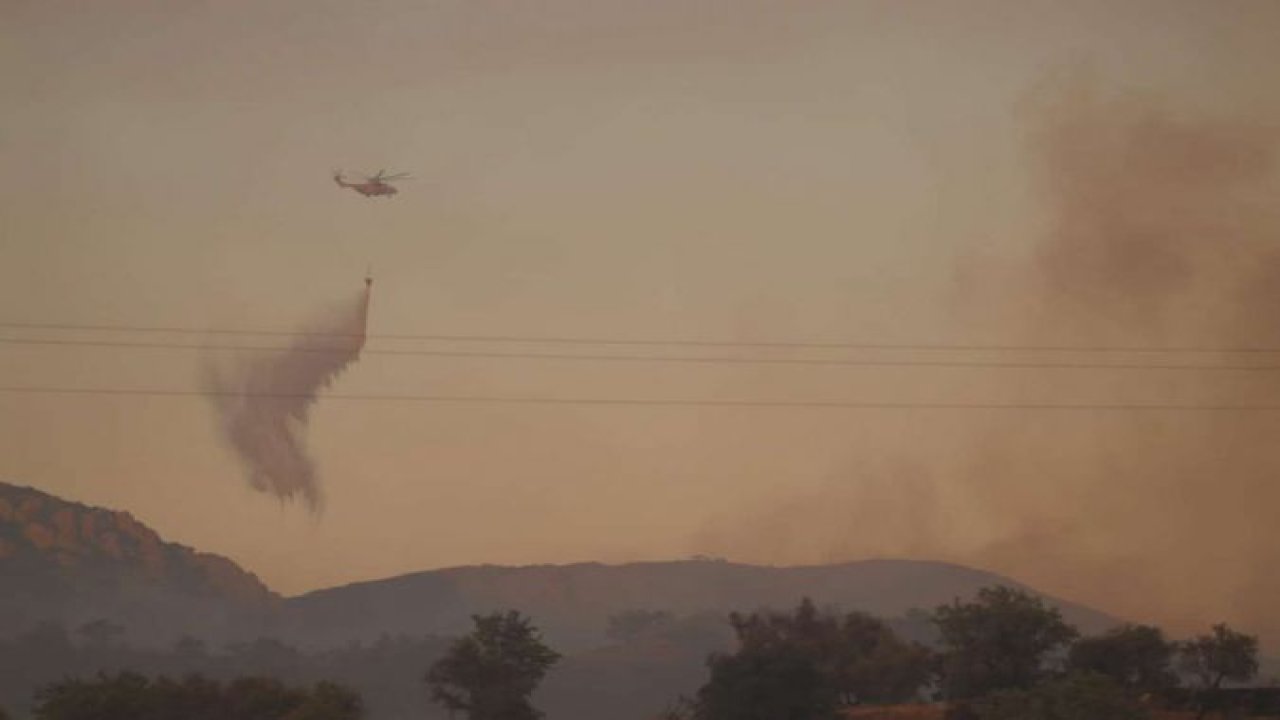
[(70, 563), (573, 603)]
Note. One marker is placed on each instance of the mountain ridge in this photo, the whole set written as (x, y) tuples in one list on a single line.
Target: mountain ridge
[(65, 561), (573, 602), (69, 562)]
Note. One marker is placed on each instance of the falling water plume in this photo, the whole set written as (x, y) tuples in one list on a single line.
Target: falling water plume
[(263, 402)]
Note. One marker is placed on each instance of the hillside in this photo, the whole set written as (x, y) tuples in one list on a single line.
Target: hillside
[(68, 562), (573, 603), (71, 563)]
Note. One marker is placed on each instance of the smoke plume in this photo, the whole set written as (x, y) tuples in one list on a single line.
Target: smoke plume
[(263, 403), (1160, 229), (1163, 232)]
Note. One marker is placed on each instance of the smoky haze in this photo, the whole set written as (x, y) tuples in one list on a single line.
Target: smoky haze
[(263, 402), (1163, 231), (858, 172), (1158, 229)]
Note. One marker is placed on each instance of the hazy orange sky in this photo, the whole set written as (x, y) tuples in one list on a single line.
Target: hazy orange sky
[(844, 172)]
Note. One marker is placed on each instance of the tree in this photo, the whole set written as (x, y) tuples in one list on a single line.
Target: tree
[(1077, 696), (261, 698), (491, 673), (328, 701), (129, 695), (1136, 656), (192, 698), (1219, 656), (808, 663), (767, 683), (860, 656), (874, 666), (125, 695), (806, 630), (1000, 641)]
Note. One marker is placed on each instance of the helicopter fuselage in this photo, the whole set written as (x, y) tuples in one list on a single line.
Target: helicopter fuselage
[(372, 188)]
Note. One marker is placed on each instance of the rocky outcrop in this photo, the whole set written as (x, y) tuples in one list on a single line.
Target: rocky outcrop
[(67, 562)]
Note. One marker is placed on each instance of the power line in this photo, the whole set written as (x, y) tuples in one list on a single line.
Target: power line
[(583, 340), (652, 402), (708, 360)]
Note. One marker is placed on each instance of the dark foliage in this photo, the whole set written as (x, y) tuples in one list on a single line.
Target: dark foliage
[(136, 697), (782, 683), (1001, 641), (1078, 696), (1231, 702), (808, 664), (629, 682), (1136, 656), (1221, 655), (387, 672), (491, 673)]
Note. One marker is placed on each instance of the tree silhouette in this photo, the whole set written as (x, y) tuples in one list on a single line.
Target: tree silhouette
[(780, 682), (808, 663), (873, 665), (1136, 656), (491, 673), (1221, 655), (328, 701), (136, 697), (121, 696), (1077, 696), (1000, 641)]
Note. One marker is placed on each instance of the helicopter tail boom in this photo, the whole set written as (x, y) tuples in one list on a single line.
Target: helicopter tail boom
[(337, 177)]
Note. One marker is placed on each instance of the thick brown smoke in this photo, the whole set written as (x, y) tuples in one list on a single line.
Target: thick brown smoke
[(1161, 229), (1164, 232), (263, 403)]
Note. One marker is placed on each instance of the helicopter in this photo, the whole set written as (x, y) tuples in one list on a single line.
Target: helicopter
[(373, 185)]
